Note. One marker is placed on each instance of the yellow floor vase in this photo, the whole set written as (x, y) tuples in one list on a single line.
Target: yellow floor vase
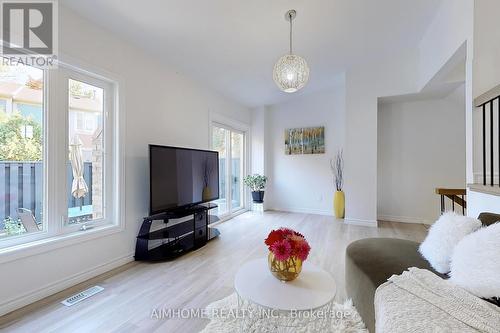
[(339, 204)]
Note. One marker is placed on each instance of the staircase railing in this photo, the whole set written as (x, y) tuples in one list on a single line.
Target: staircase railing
[(456, 195), (489, 106)]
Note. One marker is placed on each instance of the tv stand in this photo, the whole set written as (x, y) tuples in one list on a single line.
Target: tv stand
[(176, 238)]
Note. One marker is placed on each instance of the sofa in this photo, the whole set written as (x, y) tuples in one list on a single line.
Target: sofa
[(370, 262)]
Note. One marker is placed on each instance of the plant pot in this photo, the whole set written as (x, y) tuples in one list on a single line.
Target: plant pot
[(339, 204), (284, 270), (258, 196)]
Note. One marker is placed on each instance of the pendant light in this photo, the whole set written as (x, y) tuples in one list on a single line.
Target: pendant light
[(291, 71)]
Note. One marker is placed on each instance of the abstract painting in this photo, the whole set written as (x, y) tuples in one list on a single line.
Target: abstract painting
[(293, 141), (307, 140), (313, 139)]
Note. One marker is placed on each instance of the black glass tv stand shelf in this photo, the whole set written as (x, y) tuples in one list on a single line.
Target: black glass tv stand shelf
[(183, 230)]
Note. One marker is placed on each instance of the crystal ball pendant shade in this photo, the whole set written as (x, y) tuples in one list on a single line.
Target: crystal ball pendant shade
[(291, 73)]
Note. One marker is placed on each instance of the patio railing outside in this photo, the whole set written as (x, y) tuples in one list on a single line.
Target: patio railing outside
[(21, 186)]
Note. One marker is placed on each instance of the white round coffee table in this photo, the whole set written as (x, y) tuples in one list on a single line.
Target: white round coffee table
[(262, 296)]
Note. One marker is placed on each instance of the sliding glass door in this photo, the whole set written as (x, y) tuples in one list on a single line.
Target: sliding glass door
[(230, 144)]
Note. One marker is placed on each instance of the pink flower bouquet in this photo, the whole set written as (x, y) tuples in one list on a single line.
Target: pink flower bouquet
[(287, 250)]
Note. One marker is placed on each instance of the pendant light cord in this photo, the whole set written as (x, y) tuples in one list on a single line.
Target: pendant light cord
[(291, 18)]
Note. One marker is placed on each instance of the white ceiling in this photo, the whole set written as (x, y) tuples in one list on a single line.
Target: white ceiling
[(232, 45)]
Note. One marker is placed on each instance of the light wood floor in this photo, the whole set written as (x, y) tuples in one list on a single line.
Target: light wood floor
[(195, 279)]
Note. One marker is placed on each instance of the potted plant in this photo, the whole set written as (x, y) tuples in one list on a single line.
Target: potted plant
[(257, 184), (337, 166)]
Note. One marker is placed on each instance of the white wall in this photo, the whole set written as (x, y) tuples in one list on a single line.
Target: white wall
[(481, 202), (364, 85), (451, 27), (259, 116), (304, 183), (421, 146), (161, 107), (401, 74), (486, 46)]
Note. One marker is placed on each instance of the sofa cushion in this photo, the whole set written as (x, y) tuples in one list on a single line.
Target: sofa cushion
[(475, 264), (443, 236)]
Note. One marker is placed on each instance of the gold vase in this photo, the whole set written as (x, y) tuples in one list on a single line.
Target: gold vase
[(286, 270), (339, 204), (206, 194)]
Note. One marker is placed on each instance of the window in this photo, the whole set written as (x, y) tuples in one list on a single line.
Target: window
[(237, 167), (86, 152), (230, 143), (59, 167), (21, 151), (90, 166), (219, 143)]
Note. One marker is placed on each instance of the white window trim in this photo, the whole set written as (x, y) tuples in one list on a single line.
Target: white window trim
[(219, 120), (46, 244), (109, 147), (32, 244)]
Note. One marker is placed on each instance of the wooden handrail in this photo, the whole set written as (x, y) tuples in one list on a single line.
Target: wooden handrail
[(451, 191), (456, 195)]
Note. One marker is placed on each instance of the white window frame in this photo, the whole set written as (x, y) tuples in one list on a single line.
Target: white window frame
[(224, 122), (56, 233), (66, 74)]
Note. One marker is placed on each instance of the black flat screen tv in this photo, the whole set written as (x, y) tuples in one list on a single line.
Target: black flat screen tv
[(181, 177)]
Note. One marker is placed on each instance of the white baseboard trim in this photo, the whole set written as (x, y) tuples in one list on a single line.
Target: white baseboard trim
[(302, 210), (478, 177), (363, 223), (55, 287), (404, 219)]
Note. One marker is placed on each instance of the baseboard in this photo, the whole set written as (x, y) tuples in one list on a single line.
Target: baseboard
[(363, 223), (302, 210), (478, 177), (404, 219), (55, 287)]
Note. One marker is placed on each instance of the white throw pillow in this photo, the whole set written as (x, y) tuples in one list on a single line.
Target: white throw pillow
[(475, 263), (443, 236)]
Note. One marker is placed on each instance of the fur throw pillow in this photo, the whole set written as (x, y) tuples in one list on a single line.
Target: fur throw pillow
[(443, 236), (475, 264)]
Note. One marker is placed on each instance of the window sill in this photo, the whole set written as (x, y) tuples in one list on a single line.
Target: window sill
[(52, 243)]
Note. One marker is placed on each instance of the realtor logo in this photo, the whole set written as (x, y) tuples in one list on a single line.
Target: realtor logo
[(29, 28)]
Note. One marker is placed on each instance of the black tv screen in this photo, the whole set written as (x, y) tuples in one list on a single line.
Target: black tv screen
[(181, 177)]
